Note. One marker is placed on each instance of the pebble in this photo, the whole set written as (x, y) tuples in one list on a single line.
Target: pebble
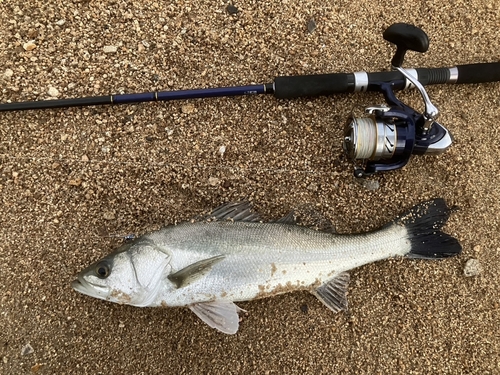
[(222, 150), (472, 268), (36, 367), (110, 49), (231, 9), (311, 25), (60, 22), (8, 73), (214, 181), (109, 215), (371, 185), (187, 108), (29, 46), (27, 350), (75, 182), (53, 92)]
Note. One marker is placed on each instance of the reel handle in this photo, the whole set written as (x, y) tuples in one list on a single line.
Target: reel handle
[(405, 37)]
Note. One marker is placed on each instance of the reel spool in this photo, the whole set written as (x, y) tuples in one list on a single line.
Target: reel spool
[(389, 134)]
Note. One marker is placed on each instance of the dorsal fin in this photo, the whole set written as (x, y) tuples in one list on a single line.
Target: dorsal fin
[(289, 218), (307, 215), (236, 211)]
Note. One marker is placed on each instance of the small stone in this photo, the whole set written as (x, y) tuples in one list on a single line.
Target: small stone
[(27, 350), (213, 181), (5, 360), (110, 49), (222, 150), (75, 182), (231, 9), (53, 92), (108, 215), (169, 131), (85, 158), (36, 367), (311, 25), (8, 73), (187, 108), (60, 22), (472, 268), (371, 185), (29, 46)]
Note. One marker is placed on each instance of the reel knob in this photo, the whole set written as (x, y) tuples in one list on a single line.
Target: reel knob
[(405, 37)]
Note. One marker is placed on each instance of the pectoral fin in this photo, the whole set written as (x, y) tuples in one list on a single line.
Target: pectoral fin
[(221, 315), (194, 271), (334, 293)]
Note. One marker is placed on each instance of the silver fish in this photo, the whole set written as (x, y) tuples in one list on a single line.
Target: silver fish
[(231, 256)]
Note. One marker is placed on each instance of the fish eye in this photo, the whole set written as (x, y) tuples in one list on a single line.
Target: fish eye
[(102, 270)]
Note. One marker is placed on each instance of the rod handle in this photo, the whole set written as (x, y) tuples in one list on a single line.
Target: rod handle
[(479, 73), (289, 87)]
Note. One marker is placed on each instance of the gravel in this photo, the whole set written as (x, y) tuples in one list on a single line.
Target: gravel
[(71, 177)]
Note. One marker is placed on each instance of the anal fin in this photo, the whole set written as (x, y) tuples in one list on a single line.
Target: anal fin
[(221, 315), (333, 294)]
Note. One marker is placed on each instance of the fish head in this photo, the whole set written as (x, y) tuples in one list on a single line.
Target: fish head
[(132, 275)]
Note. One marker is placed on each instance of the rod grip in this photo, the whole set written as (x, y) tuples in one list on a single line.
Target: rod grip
[(289, 87), (479, 73)]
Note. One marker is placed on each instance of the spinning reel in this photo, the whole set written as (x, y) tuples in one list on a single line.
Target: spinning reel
[(389, 134)]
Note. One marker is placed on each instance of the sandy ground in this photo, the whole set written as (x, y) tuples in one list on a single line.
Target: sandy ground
[(71, 179)]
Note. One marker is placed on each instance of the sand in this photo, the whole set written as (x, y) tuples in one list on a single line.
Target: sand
[(73, 180)]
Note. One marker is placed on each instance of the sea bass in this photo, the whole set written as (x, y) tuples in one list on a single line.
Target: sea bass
[(230, 256)]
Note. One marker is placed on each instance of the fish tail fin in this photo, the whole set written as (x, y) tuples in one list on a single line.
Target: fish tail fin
[(423, 223)]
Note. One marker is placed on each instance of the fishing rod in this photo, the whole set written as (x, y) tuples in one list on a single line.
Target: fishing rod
[(384, 140)]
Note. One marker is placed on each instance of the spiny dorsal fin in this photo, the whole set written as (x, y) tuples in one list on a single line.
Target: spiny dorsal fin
[(310, 217), (334, 293), (289, 218), (194, 271), (236, 211)]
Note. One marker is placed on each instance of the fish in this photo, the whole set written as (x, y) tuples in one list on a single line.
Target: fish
[(231, 255)]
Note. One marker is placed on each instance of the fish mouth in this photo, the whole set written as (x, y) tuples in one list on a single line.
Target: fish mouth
[(83, 286)]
